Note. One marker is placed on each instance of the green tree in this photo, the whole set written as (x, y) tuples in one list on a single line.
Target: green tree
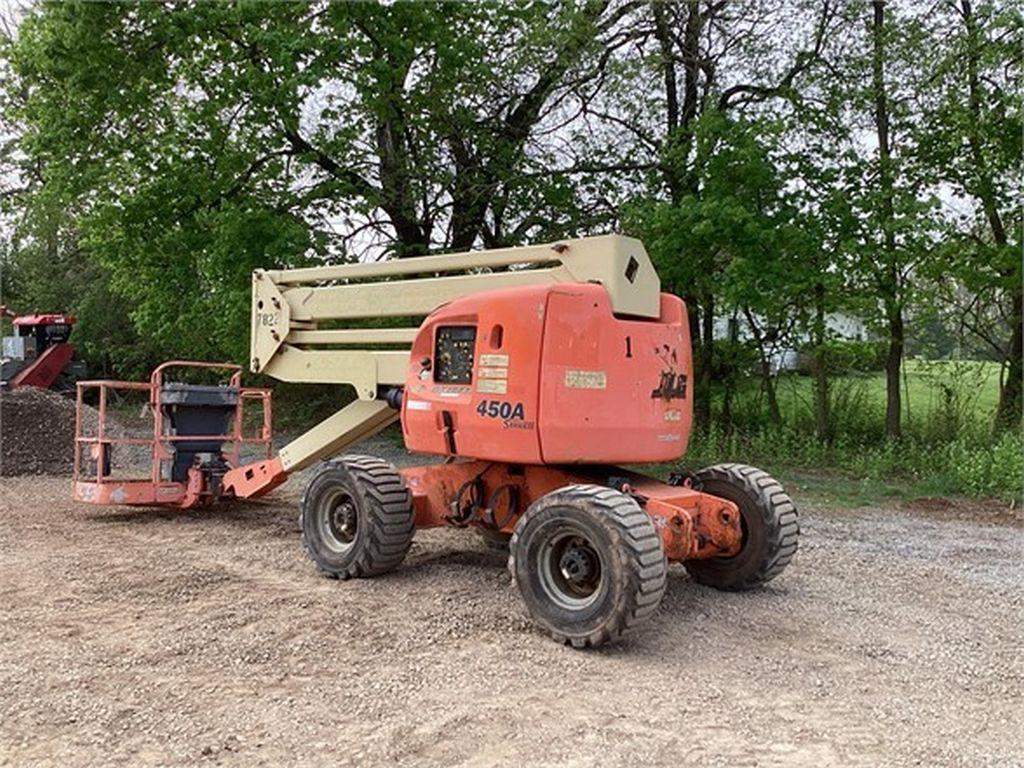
[(246, 135), (740, 223), (709, 60), (971, 140), (885, 204)]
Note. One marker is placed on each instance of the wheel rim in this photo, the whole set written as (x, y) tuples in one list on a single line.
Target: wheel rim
[(570, 570), (339, 523)]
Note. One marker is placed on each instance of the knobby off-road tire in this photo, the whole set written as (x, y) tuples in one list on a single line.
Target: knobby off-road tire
[(588, 563), (357, 517), (770, 528)]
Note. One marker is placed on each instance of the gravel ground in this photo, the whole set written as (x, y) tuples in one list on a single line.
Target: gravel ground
[(139, 637)]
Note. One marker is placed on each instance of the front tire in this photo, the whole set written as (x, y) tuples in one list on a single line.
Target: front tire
[(588, 563), (356, 518), (770, 528)]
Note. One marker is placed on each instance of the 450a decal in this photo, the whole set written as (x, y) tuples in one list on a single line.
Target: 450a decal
[(499, 409), (512, 415)]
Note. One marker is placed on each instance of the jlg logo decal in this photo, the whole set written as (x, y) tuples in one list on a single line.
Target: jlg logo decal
[(512, 416), (672, 385)]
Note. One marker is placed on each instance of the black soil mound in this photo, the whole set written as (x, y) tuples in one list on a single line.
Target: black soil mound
[(37, 432)]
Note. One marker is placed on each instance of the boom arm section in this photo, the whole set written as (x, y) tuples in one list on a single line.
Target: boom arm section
[(354, 422), (291, 307)]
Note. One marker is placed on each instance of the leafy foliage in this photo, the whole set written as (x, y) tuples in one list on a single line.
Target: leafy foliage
[(265, 135)]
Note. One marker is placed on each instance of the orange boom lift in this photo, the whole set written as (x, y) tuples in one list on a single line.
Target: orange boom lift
[(538, 373)]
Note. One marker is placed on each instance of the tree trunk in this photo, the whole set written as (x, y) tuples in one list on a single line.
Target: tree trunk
[(728, 366), (890, 276), (1011, 397), (822, 417), (702, 394), (397, 193), (679, 179), (767, 381), (726, 416), (697, 353), (693, 318), (893, 364)]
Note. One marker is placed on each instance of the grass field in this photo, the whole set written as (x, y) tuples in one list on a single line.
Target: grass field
[(948, 447), (935, 393), (926, 384)]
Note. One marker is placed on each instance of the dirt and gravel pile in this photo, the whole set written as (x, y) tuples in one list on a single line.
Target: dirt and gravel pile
[(37, 432)]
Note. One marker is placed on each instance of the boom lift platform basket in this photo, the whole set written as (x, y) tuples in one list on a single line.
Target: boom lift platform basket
[(198, 434)]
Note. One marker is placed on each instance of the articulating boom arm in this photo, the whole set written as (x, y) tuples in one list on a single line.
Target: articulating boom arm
[(290, 307)]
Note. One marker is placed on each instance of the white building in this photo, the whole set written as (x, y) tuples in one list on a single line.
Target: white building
[(785, 355)]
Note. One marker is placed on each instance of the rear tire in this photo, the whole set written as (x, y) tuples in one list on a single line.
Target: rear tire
[(356, 518), (588, 563), (770, 528)]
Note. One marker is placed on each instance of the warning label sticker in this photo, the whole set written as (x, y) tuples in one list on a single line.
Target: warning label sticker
[(586, 379), (492, 386), (494, 359), (492, 373)]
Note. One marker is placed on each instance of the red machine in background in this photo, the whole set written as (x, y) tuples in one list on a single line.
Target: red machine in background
[(38, 352)]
